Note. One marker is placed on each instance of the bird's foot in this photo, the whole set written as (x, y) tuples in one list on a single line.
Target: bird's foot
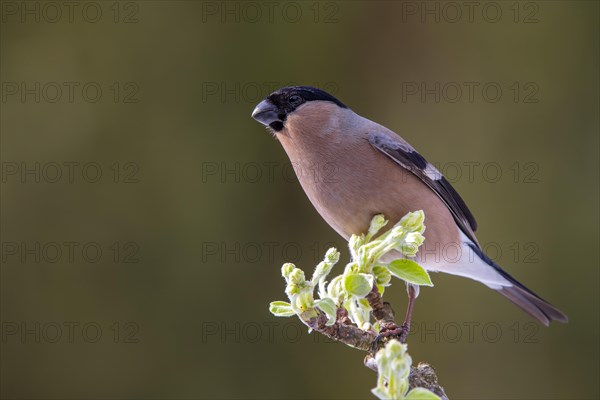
[(391, 330), (399, 332)]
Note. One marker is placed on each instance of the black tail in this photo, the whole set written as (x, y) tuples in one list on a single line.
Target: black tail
[(528, 301), (532, 304)]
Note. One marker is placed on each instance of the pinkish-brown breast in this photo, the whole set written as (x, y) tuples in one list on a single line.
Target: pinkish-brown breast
[(348, 181)]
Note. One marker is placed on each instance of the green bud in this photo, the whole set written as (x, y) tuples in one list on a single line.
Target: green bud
[(415, 237), (396, 234), (322, 270), (411, 243), (377, 223), (382, 275), (354, 244), (396, 349), (304, 300), (413, 221), (393, 367), (359, 312), (335, 289), (332, 256), (296, 283), (297, 277), (292, 290), (287, 269)]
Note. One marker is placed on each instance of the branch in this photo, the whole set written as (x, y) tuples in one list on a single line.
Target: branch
[(341, 331), (382, 312), (423, 376)]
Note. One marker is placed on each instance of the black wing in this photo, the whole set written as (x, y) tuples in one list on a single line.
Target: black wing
[(406, 156)]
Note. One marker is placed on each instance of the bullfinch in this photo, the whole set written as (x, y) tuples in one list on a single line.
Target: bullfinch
[(371, 170)]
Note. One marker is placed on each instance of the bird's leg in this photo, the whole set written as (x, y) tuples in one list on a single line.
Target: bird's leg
[(413, 292), (391, 329)]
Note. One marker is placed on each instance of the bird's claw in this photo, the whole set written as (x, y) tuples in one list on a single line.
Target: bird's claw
[(392, 330)]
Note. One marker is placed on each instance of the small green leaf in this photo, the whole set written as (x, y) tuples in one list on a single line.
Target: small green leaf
[(327, 305), (358, 285), (410, 271), (281, 309), (421, 394)]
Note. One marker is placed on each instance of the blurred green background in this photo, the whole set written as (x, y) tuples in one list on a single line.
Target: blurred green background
[(196, 209)]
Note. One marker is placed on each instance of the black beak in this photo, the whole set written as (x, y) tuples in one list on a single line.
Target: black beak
[(266, 113)]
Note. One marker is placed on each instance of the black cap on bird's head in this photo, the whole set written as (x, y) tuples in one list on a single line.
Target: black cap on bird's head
[(273, 110)]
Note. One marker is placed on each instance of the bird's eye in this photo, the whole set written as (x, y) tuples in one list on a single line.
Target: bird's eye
[(295, 100)]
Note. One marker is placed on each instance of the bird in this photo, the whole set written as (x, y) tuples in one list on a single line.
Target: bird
[(371, 170)]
